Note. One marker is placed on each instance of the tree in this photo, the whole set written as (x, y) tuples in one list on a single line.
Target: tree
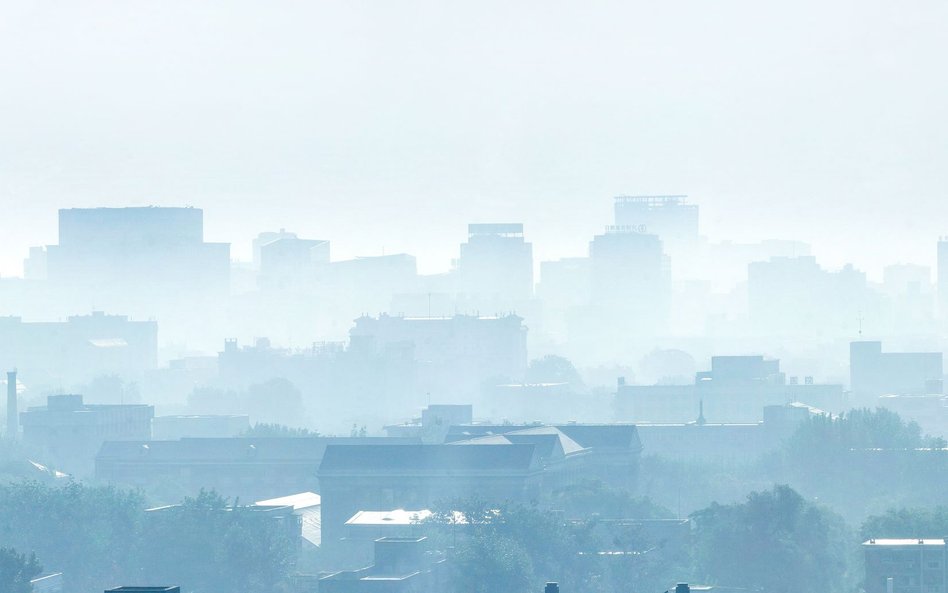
[(907, 523), (91, 534), (594, 499), (513, 548), (263, 430), (205, 544), (554, 369), (17, 570), (775, 541)]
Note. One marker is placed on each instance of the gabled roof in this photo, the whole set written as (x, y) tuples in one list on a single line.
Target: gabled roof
[(428, 458), (620, 436)]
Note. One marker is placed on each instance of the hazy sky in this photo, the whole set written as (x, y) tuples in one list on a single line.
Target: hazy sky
[(390, 125)]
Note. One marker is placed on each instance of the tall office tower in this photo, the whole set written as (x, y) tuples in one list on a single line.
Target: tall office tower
[(942, 280), (630, 284), (137, 249), (496, 262), (672, 218)]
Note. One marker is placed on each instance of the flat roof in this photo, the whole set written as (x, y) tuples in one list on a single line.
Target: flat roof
[(303, 500), (393, 517), (904, 542)]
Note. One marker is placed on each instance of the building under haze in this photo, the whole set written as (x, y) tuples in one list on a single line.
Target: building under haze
[(735, 390), (496, 263), (914, 565), (795, 296), (454, 356), (137, 250), (65, 353), (873, 372), (69, 432), (672, 218)]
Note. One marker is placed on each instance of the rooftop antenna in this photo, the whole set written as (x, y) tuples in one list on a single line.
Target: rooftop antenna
[(859, 319)]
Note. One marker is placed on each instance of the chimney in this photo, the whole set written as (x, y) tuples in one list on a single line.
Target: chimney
[(682, 588), (13, 425), (552, 588)]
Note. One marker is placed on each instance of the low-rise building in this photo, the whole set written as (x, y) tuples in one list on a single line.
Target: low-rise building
[(70, 432), (246, 468), (402, 565), (906, 566), (172, 428)]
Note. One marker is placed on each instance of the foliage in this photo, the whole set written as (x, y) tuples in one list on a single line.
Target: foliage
[(264, 430), (511, 548), (88, 533), (857, 429), (205, 545), (99, 536), (594, 499), (554, 369), (17, 570), (907, 523), (775, 541), (276, 401)]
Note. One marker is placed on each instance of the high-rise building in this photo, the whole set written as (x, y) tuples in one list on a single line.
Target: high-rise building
[(132, 255), (496, 261), (942, 280), (672, 218)]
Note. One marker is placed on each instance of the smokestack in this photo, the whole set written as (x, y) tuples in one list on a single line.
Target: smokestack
[(12, 416), (552, 588)]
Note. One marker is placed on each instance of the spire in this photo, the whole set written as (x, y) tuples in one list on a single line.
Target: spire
[(701, 420)]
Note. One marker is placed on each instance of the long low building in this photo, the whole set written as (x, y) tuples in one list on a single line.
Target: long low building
[(245, 468), (493, 463)]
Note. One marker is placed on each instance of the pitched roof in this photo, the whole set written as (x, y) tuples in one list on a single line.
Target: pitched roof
[(623, 436)]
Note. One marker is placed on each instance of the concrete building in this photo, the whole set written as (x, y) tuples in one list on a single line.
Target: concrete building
[(735, 390), (941, 282), (288, 261), (307, 506), (672, 218), (385, 477), (434, 423), (629, 291), (780, 295), (567, 452), (79, 349), (455, 356), (245, 468), (70, 433), (172, 428), (873, 372), (124, 257), (402, 565), (496, 263), (906, 566), (720, 442)]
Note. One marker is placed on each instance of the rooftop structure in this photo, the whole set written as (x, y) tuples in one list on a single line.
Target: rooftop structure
[(70, 432), (670, 217)]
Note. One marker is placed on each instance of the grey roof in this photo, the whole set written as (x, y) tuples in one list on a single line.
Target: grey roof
[(235, 449), (621, 436), (437, 458)]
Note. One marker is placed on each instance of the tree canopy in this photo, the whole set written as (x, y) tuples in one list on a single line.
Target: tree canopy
[(775, 541)]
